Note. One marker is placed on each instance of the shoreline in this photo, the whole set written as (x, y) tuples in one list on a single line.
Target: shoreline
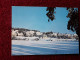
[(38, 39)]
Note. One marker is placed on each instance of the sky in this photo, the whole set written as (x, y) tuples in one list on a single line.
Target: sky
[(34, 18)]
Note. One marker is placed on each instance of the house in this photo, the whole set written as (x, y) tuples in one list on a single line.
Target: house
[(30, 33), (20, 34), (44, 36)]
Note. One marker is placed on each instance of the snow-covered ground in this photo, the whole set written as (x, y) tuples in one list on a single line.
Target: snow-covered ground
[(45, 46)]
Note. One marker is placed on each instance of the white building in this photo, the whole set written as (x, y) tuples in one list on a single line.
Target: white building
[(20, 34), (55, 34), (30, 33), (14, 33), (38, 33)]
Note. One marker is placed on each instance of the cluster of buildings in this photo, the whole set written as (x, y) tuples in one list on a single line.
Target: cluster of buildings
[(35, 33)]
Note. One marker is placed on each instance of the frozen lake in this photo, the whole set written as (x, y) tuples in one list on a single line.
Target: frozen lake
[(42, 47)]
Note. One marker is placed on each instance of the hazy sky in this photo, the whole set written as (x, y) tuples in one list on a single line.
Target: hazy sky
[(35, 18)]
